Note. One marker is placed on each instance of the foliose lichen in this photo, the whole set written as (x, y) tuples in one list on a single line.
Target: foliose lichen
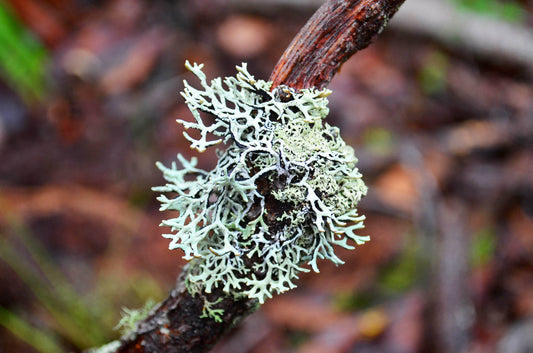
[(282, 195)]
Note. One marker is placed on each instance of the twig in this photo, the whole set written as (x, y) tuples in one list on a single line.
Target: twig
[(334, 33), (176, 324), (480, 35)]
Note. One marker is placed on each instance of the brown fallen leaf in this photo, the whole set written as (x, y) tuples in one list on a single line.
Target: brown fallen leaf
[(476, 134), (301, 313), (397, 189), (68, 198), (135, 66), (244, 36), (42, 19)]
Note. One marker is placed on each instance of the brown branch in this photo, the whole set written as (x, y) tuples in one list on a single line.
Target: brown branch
[(176, 326), (334, 33)]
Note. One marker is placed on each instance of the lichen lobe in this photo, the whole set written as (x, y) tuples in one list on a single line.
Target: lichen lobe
[(282, 194)]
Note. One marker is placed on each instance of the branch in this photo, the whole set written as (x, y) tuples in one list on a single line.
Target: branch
[(337, 31), (176, 325), (484, 36)]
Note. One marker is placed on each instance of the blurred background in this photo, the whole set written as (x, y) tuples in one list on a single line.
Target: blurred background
[(439, 110)]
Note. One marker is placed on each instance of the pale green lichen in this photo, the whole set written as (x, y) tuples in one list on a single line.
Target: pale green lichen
[(130, 317), (107, 348), (209, 311), (283, 193)]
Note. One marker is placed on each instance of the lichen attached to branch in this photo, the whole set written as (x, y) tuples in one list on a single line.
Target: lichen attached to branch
[(283, 193)]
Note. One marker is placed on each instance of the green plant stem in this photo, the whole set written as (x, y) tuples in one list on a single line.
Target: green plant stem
[(39, 340)]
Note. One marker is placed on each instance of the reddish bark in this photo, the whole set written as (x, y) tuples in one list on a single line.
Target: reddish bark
[(336, 31)]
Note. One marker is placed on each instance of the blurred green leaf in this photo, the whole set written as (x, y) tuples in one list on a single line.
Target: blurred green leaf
[(483, 247), (432, 76), (349, 301), (378, 140), (404, 272), (67, 313), (23, 58), (43, 342), (297, 338), (510, 11), (82, 320)]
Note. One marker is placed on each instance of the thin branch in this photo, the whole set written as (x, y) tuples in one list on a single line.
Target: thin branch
[(484, 36), (334, 33), (176, 326)]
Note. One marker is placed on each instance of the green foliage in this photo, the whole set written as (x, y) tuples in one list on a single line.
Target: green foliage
[(70, 317), (297, 338), (404, 272), (41, 341), (483, 247), (432, 75), (349, 301), (83, 321), (23, 59), (506, 10), (130, 317)]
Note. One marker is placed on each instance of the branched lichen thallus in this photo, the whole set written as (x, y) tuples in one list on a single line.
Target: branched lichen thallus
[(283, 193)]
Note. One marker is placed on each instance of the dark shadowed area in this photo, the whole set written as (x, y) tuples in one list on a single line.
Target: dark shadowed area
[(439, 111)]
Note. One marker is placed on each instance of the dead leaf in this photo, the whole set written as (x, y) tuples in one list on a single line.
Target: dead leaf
[(41, 19), (397, 188), (135, 66), (244, 36), (302, 313), (69, 198)]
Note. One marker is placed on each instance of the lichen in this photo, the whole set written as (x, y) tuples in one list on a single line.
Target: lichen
[(130, 317), (107, 348), (282, 195), (209, 311)]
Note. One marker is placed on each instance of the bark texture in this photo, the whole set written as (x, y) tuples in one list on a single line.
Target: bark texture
[(336, 31), (175, 325)]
